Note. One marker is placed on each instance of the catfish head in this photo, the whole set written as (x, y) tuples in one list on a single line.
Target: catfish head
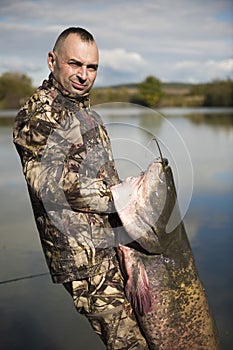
[(140, 202)]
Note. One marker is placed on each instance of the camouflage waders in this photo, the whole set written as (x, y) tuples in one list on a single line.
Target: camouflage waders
[(101, 299)]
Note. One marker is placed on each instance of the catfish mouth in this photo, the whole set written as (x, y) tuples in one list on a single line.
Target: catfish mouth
[(163, 161), (155, 171)]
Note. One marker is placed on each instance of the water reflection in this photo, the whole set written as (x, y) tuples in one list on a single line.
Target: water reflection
[(35, 314)]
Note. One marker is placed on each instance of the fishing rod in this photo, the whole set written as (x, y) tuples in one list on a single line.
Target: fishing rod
[(24, 278)]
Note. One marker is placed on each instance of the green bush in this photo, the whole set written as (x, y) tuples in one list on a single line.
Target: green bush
[(14, 89), (149, 92)]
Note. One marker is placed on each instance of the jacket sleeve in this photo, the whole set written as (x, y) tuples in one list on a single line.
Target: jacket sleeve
[(60, 168)]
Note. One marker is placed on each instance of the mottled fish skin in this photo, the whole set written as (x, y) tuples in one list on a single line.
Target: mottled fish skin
[(176, 314)]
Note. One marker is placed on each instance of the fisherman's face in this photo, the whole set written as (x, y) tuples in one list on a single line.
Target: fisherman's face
[(74, 65)]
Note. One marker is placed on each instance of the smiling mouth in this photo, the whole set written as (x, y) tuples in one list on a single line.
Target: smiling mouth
[(78, 85)]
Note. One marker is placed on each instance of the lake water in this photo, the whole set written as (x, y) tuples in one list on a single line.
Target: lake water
[(35, 313)]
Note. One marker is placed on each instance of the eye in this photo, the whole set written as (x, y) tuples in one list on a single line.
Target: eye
[(75, 64), (92, 67)]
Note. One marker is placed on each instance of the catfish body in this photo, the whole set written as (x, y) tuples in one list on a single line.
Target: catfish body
[(162, 281)]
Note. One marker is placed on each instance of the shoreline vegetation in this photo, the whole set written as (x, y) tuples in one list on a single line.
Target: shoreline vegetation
[(218, 93), (15, 88)]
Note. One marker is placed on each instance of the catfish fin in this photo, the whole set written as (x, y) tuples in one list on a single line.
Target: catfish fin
[(137, 290)]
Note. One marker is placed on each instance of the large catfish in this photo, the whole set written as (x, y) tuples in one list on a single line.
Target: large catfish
[(162, 281)]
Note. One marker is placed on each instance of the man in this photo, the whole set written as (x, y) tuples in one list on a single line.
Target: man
[(68, 165)]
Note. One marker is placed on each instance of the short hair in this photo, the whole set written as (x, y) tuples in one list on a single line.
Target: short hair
[(83, 33)]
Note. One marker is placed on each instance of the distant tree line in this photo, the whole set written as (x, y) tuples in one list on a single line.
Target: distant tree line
[(153, 93), (15, 88), (218, 93)]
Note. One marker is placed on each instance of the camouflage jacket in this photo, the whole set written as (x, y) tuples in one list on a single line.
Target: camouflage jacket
[(68, 165)]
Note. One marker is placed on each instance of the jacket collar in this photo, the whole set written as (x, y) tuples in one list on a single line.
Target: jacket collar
[(81, 100)]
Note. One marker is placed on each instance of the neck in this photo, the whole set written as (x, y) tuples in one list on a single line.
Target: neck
[(79, 98)]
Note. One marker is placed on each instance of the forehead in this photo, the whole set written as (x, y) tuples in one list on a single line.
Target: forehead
[(75, 48)]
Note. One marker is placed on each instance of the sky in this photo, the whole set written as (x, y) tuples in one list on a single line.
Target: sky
[(173, 40)]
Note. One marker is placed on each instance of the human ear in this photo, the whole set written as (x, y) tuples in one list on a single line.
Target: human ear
[(51, 60)]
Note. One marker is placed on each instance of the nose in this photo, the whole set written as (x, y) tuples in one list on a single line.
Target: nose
[(82, 72)]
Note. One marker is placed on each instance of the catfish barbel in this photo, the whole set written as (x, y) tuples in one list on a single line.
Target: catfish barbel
[(162, 281)]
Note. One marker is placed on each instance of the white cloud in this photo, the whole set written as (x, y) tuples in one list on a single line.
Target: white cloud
[(121, 60), (14, 65), (224, 66), (211, 69)]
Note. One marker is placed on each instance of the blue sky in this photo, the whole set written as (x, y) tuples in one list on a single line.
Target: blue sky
[(182, 40)]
